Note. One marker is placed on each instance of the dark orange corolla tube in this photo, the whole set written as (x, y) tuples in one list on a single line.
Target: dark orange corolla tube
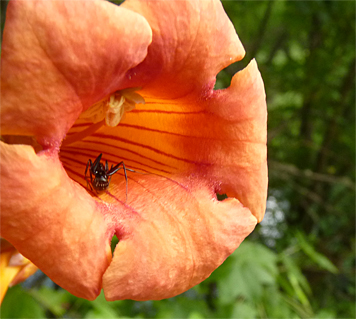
[(135, 83)]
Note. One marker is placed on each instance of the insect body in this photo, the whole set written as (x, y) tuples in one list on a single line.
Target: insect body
[(100, 176)]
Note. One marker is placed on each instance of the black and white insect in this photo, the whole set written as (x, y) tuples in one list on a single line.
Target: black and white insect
[(99, 176)]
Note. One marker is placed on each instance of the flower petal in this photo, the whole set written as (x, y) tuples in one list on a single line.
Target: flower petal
[(175, 234), (192, 42), (55, 68), (240, 162), (7, 272), (53, 221)]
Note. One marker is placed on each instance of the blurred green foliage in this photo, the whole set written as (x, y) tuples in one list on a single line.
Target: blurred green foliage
[(300, 261)]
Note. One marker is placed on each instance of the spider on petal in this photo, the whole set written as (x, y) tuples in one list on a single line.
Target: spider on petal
[(99, 176)]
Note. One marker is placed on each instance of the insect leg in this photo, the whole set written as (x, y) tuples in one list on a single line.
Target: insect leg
[(123, 165), (96, 163), (115, 169)]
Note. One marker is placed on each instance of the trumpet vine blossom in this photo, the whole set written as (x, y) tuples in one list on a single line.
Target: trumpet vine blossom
[(135, 83)]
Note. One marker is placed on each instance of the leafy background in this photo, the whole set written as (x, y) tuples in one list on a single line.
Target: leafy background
[(300, 261)]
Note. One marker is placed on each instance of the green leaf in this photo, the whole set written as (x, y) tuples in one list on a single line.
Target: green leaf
[(325, 314), (52, 300), (318, 258), (244, 310), (297, 281), (102, 308), (101, 313), (246, 272), (273, 305), (18, 303), (195, 315)]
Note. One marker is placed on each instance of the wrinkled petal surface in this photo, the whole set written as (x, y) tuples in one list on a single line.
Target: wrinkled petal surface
[(52, 220), (60, 57), (192, 42), (176, 241)]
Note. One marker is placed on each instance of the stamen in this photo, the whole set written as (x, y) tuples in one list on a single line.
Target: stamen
[(110, 111), (83, 134)]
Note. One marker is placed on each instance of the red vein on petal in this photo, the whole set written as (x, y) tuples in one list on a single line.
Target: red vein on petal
[(129, 177), (138, 127), (89, 156), (123, 149), (68, 160), (123, 140), (185, 136)]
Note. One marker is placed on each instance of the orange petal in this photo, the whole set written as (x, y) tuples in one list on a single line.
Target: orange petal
[(53, 221), (176, 233), (192, 41), (7, 273), (60, 57), (12, 262), (240, 160), (27, 270)]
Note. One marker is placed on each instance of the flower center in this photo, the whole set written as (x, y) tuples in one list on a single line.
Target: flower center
[(109, 111)]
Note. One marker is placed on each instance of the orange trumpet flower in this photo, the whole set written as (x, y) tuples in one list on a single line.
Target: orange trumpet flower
[(134, 83)]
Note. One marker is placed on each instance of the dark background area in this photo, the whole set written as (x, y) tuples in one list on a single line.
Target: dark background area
[(300, 261)]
